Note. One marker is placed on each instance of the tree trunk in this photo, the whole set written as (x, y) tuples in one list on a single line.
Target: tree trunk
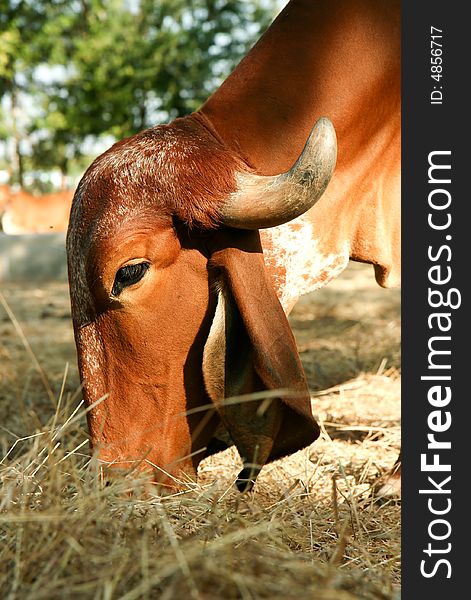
[(17, 158), (64, 168)]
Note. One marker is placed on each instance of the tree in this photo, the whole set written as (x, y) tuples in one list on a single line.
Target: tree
[(22, 48), (126, 65)]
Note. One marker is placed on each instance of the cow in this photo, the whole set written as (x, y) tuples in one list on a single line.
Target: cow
[(22, 212), (4, 196), (190, 242)]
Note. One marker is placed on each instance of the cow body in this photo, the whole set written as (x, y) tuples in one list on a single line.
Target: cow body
[(25, 213), (340, 59), (178, 302)]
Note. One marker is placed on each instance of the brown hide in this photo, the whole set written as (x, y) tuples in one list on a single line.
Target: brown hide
[(251, 348), (25, 213), (143, 350), (4, 196), (339, 58), (204, 323)]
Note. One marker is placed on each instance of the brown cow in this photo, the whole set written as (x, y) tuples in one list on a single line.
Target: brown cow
[(25, 213), (176, 307), (4, 196)]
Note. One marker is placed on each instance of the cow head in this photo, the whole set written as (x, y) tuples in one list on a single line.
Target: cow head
[(173, 310)]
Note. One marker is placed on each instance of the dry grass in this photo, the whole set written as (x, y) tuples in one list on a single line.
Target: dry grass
[(309, 530)]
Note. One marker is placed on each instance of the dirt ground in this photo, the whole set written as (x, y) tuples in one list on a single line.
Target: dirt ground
[(348, 335)]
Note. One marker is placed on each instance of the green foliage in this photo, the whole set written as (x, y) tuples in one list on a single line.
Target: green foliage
[(118, 66)]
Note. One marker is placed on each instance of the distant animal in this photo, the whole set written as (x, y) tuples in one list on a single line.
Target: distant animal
[(4, 195), (179, 302), (22, 212)]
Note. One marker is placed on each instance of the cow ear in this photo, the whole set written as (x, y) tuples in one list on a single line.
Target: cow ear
[(251, 352)]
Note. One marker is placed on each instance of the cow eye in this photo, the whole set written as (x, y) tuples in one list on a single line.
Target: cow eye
[(128, 275)]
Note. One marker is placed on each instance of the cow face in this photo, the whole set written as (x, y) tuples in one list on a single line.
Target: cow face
[(175, 318)]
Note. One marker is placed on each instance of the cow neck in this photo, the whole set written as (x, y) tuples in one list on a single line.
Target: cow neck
[(329, 58)]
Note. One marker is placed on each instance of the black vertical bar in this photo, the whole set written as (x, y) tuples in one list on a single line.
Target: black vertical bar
[(435, 568)]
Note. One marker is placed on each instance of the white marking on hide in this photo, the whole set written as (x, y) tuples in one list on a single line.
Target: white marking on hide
[(297, 262)]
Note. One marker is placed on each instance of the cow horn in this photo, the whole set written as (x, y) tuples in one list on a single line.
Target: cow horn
[(266, 201)]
